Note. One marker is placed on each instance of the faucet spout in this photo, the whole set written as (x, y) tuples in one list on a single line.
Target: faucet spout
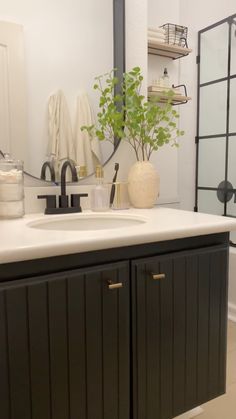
[(66, 164)]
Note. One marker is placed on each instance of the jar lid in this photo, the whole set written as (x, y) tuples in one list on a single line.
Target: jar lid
[(6, 158), (7, 163), (81, 171)]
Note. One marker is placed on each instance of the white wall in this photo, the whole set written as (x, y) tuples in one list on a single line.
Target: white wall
[(196, 15), (165, 159), (136, 55), (176, 175), (67, 44)]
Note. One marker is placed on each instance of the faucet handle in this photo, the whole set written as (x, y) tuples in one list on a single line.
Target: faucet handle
[(75, 200), (51, 202), (63, 201)]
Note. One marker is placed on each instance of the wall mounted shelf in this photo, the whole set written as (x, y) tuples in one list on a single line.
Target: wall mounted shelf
[(178, 99), (166, 50)]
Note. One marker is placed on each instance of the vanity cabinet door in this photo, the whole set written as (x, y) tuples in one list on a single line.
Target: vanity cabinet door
[(179, 331), (64, 345)]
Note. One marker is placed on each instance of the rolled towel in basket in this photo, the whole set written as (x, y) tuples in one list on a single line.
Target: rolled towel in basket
[(153, 34), (157, 30), (160, 41)]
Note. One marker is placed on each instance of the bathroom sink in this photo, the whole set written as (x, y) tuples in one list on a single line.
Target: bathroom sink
[(86, 222)]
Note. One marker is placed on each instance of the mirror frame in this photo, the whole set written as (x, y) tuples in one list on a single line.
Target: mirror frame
[(119, 52)]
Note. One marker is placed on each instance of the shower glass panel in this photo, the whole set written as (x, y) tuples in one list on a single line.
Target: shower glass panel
[(231, 161), (208, 203), (232, 110), (213, 108), (233, 48), (211, 169), (216, 119), (214, 54), (231, 208)]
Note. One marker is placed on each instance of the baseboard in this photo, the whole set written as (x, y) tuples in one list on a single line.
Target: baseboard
[(232, 312), (195, 412), (192, 413)]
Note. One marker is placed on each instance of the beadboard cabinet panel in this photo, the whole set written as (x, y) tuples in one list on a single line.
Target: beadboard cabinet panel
[(179, 331), (64, 345), (108, 341)]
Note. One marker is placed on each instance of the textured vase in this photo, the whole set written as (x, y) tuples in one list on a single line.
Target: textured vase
[(143, 184)]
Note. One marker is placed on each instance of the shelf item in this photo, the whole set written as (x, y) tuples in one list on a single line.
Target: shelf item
[(166, 50), (176, 34), (176, 100), (160, 92)]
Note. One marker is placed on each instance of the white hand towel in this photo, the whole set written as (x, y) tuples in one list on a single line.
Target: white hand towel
[(88, 150), (60, 145)]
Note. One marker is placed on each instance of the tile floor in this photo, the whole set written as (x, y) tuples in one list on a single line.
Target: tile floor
[(224, 407)]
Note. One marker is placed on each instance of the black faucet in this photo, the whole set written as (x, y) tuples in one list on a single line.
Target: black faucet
[(64, 208), (50, 166), (63, 198)]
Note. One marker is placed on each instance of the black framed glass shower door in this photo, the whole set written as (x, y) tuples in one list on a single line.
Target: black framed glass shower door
[(216, 119)]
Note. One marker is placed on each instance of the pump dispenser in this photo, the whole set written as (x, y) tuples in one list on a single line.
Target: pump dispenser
[(100, 200), (165, 80)]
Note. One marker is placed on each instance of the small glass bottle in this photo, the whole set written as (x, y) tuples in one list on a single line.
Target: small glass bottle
[(165, 80), (11, 188), (100, 200)]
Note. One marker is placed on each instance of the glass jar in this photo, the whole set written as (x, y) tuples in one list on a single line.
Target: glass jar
[(11, 188)]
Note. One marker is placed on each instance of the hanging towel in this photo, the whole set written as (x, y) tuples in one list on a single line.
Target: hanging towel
[(60, 144), (88, 150)]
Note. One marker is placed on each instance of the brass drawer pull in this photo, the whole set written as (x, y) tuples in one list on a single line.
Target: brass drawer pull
[(112, 286), (158, 276)]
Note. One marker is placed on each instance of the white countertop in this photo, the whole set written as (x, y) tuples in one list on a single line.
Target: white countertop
[(20, 242)]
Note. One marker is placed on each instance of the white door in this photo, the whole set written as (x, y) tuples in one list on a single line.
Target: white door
[(13, 116)]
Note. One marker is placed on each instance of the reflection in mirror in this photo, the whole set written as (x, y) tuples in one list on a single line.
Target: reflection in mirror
[(65, 45), (212, 115), (214, 53), (211, 168)]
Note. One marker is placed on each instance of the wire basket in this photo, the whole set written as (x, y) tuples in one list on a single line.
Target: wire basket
[(176, 34)]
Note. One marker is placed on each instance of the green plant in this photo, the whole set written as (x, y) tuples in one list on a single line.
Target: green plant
[(145, 125)]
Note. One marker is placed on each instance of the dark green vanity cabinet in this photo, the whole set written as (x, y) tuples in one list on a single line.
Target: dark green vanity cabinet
[(140, 337), (179, 326), (64, 346)]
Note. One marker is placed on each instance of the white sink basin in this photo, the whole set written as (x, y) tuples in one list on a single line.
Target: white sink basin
[(86, 222)]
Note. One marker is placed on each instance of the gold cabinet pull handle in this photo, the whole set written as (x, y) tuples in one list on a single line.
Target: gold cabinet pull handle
[(115, 286), (158, 276)]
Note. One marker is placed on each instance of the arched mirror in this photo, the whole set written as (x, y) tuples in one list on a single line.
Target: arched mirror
[(50, 53)]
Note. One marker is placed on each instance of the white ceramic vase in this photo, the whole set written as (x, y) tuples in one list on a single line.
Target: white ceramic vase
[(143, 184)]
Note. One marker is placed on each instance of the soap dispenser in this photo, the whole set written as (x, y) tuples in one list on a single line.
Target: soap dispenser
[(100, 200), (165, 80)]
